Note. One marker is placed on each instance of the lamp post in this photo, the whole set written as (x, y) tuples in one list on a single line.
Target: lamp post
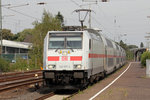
[(1, 35)]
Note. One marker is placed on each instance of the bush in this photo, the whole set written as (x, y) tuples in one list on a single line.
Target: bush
[(4, 65), (24, 65), (20, 65), (129, 55), (145, 55)]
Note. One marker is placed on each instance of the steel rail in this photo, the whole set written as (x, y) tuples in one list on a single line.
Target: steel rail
[(17, 73), (14, 80), (20, 76), (46, 96)]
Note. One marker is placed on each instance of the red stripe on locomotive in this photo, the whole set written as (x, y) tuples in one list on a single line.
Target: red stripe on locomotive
[(53, 58), (76, 58)]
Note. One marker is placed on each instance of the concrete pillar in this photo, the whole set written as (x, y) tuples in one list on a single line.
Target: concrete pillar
[(5, 49), (19, 50), (148, 68)]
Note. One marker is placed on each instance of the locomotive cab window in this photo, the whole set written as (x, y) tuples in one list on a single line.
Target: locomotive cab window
[(74, 42), (56, 42), (65, 41)]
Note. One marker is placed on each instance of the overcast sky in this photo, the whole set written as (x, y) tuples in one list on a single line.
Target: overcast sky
[(130, 15)]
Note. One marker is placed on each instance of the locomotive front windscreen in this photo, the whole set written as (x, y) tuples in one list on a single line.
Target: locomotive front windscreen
[(65, 41)]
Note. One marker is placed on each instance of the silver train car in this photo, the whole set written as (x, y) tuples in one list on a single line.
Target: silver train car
[(77, 58)]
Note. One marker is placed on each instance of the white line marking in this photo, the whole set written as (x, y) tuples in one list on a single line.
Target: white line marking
[(110, 83)]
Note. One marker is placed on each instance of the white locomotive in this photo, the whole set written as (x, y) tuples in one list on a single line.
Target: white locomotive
[(76, 58)]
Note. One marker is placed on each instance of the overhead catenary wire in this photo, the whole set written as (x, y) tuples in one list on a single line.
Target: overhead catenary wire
[(19, 5), (76, 3), (105, 16), (106, 29), (93, 18), (22, 13), (12, 23), (123, 15), (114, 21), (109, 21)]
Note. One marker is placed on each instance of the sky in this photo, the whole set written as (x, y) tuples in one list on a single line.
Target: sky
[(118, 19)]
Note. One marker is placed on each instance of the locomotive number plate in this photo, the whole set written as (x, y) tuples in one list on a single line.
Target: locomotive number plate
[(64, 66), (64, 58)]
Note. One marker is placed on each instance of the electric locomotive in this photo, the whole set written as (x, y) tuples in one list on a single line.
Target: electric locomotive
[(76, 58)]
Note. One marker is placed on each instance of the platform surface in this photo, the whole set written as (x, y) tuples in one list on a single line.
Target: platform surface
[(132, 85)]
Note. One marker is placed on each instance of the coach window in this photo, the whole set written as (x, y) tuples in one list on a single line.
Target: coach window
[(89, 44), (117, 46), (109, 43)]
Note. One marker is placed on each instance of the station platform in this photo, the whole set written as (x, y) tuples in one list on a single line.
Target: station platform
[(132, 85)]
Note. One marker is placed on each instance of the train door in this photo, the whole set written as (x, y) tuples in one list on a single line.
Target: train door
[(105, 59), (92, 48)]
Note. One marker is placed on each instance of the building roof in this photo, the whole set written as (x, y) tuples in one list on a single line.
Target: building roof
[(23, 45)]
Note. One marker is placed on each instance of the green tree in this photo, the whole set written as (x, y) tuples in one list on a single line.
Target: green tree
[(24, 36), (127, 48), (141, 45), (123, 45), (132, 46), (7, 35), (61, 18), (48, 23)]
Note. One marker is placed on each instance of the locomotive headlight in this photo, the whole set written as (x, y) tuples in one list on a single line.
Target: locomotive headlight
[(51, 66), (78, 66), (60, 52), (68, 52)]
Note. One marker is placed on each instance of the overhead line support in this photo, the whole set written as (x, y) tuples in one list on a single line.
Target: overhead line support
[(1, 34)]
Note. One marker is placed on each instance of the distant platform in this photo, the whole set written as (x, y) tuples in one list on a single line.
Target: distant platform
[(15, 47)]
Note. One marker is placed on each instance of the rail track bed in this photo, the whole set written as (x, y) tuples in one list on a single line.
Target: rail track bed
[(28, 93), (13, 80), (20, 85), (58, 95)]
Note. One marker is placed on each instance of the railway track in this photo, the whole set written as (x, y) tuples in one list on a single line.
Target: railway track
[(10, 81), (54, 96), (46, 96), (14, 80)]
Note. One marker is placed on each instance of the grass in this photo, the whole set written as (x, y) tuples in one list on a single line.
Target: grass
[(80, 92), (124, 91)]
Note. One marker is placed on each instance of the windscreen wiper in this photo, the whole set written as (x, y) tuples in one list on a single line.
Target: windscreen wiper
[(71, 49), (57, 49)]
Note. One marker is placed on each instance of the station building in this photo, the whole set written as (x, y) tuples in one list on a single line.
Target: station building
[(11, 49)]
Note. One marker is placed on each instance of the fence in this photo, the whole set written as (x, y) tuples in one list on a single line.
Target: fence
[(13, 57)]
